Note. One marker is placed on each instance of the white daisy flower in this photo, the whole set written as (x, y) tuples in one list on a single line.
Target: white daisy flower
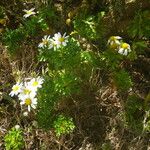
[(26, 91), (124, 49), (29, 101), (114, 41), (46, 42), (36, 83), (29, 12), (59, 40), (16, 89)]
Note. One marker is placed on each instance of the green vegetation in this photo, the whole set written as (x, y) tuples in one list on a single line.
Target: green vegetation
[(77, 72), (63, 125), (14, 139)]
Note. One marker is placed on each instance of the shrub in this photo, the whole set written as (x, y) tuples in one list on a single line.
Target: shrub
[(14, 139), (63, 125)]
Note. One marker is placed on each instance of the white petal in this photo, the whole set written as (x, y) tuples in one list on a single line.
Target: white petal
[(26, 15), (33, 106), (117, 42), (125, 52), (59, 34), (32, 9), (50, 46), (41, 45), (29, 108), (129, 49), (64, 43), (12, 94), (64, 34), (120, 51), (108, 42), (118, 37), (25, 10), (22, 102)]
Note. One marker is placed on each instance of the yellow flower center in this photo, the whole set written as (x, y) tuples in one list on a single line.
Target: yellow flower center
[(61, 39), (45, 41), (28, 101), (35, 83), (125, 45), (16, 88), (29, 12), (26, 91)]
